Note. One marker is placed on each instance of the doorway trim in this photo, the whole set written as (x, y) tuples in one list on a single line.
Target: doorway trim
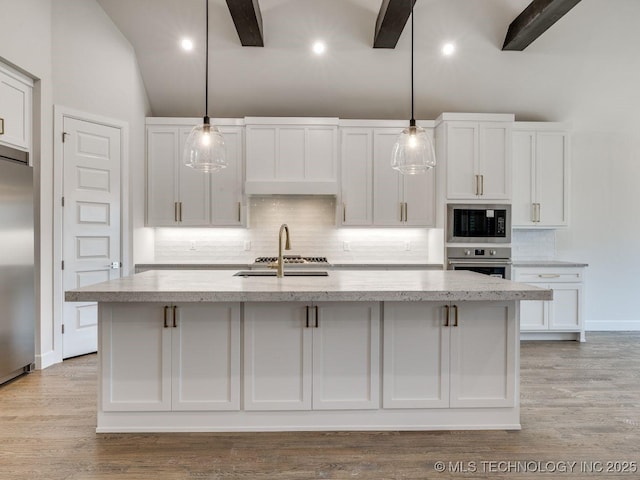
[(59, 114)]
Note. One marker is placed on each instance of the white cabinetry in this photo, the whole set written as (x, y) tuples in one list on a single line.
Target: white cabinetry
[(442, 355), (291, 156), (170, 357), (476, 150), (16, 97), (374, 194), (540, 175), (558, 318), (180, 195), (300, 356)]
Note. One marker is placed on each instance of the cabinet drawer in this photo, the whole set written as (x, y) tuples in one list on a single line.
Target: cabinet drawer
[(551, 275)]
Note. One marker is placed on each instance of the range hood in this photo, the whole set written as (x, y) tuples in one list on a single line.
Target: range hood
[(8, 153)]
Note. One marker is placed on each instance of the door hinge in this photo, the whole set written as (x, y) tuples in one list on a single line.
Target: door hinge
[(63, 328), (64, 136), (62, 264)]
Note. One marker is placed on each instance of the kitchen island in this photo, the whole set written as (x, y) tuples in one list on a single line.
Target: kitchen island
[(353, 350)]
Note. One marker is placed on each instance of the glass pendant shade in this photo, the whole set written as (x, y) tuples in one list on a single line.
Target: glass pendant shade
[(413, 152), (204, 149)]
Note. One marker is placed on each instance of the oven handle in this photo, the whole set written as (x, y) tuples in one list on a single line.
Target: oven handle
[(480, 262)]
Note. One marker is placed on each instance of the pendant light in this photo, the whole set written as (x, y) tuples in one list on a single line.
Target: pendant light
[(205, 150), (413, 151)]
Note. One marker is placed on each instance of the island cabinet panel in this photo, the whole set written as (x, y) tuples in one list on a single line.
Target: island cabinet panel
[(305, 356), (449, 355), (163, 357)]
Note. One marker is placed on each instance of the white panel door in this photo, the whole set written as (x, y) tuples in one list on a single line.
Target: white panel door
[(262, 152), (91, 223), (564, 310), (420, 199), (357, 176), (206, 356), (320, 158), (137, 370), (15, 110), (534, 314), (462, 152), (193, 189), (483, 355), (346, 356), (277, 357), (387, 184), (163, 143), (415, 355), (523, 178), (551, 178), (226, 184), (494, 161)]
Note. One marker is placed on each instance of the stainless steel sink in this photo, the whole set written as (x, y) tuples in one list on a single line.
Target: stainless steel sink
[(287, 273)]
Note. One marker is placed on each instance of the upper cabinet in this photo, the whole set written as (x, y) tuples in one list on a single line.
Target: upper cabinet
[(476, 149), (16, 97), (291, 156), (374, 194), (178, 195), (540, 174)]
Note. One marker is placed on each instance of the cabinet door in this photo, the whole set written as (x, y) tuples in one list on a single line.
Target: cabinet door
[(494, 162), (137, 370), (346, 356), (415, 355), (551, 178), (420, 199), (483, 355), (193, 189), (226, 185), (534, 314), (523, 179), (387, 184), (564, 310), (321, 162), (357, 176), (277, 357), (462, 159), (15, 110), (206, 357), (262, 152), (163, 144)]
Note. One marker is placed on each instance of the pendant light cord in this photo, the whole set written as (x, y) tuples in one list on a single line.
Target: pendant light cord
[(413, 120), (206, 75)]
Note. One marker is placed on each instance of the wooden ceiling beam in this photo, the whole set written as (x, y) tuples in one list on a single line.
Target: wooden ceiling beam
[(534, 21), (248, 21), (391, 20)]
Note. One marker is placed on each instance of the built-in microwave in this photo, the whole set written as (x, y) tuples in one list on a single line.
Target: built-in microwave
[(478, 223)]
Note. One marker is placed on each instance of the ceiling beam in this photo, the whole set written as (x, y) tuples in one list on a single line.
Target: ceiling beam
[(391, 20), (534, 21), (248, 21)]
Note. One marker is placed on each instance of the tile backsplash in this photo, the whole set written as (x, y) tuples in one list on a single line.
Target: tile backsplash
[(312, 224), (533, 244)]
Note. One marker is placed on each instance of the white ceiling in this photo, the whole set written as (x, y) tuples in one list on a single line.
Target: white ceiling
[(586, 64)]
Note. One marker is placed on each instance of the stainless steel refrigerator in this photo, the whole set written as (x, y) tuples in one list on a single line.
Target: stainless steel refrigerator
[(17, 269)]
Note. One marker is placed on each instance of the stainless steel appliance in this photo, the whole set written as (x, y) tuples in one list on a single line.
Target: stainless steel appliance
[(493, 261), (478, 223), (17, 271)]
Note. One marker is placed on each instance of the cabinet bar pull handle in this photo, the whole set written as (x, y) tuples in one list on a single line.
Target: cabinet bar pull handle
[(1, 126), (477, 185), (401, 211), (549, 275), (307, 322), (537, 212), (175, 314), (446, 315), (481, 188), (175, 211), (455, 315), (180, 211), (166, 314), (316, 309), (344, 212), (239, 212), (406, 212)]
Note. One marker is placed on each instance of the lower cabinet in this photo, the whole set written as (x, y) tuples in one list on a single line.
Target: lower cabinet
[(444, 355), (303, 356), (160, 357), (561, 315)]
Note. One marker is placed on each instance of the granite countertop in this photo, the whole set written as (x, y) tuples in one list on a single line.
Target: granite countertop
[(345, 285), (548, 263)]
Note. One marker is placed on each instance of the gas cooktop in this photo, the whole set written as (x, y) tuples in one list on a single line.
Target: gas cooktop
[(288, 259)]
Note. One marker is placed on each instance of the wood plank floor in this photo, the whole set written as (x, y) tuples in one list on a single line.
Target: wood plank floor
[(580, 403)]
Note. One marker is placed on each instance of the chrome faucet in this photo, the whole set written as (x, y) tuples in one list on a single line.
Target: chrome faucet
[(280, 264)]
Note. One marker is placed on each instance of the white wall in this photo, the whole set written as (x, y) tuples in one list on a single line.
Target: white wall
[(25, 42)]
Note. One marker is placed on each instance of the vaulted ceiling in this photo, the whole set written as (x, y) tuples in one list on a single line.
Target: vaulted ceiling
[(550, 80)]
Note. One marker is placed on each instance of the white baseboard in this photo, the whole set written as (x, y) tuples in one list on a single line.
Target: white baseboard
[(47, 359), (613, 326)]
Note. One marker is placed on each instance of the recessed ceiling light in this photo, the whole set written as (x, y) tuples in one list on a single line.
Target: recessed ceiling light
[(186, 44), (448, 49), (319, 47)]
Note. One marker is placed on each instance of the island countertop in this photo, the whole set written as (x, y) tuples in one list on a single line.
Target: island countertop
[(371, 285)]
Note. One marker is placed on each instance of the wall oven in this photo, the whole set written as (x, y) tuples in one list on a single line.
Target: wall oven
[(478, 223), (492, 261)]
